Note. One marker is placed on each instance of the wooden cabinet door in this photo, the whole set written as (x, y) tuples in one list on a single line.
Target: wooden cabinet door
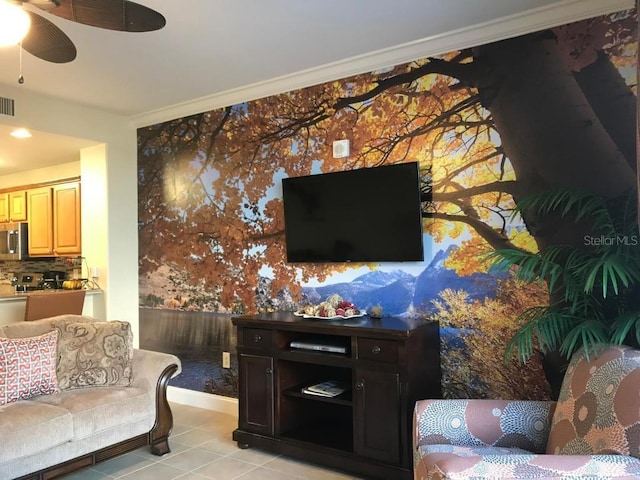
[(4, 207), (255, 391), (40, 216), (18, 206), (13, 206), (66, 219), (377, 414)]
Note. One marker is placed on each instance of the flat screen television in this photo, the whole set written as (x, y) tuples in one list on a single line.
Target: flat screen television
[(364, 215)]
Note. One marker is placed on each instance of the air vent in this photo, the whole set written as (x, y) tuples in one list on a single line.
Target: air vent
[(7, 106)]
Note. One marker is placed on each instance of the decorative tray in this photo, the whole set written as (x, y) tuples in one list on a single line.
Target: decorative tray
[(335, 317)]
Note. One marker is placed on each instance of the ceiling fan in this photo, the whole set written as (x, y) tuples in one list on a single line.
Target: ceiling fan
[(48, 42)]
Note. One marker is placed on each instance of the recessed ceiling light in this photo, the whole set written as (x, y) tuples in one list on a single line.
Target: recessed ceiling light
[(21, 133)]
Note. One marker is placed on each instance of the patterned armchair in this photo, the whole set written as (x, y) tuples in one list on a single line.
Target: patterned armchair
[(592, 432)]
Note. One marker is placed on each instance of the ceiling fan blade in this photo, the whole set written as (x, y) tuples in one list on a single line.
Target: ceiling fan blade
[(121, 15), (48, 42)]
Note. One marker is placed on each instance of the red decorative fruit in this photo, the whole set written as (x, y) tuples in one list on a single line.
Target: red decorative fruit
[(345, 305)]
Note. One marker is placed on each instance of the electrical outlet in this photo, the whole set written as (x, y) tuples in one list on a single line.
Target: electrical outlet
[(226, 360), (95, 272)]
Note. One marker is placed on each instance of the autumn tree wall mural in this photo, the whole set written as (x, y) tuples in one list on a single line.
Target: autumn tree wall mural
[(488, 125)]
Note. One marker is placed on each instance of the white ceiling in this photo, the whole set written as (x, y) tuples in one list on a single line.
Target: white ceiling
[(213, 46), (40, 151)]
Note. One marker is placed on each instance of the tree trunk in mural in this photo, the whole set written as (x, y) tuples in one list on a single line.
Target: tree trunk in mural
[(549, 131), (567, 131), (613, 102)]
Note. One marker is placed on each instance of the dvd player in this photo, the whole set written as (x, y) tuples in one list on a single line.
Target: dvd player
[(318, 346)]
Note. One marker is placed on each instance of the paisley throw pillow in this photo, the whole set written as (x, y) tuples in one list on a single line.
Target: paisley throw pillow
[(94, 354)]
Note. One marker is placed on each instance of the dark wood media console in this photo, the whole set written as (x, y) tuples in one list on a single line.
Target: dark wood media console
[(387, 365)]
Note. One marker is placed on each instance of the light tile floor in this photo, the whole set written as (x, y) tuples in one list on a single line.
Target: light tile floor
[(201, 449)]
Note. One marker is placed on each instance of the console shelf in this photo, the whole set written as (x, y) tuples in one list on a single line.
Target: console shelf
[(329, 436), (322, 358), (388, 363), (342, 399)]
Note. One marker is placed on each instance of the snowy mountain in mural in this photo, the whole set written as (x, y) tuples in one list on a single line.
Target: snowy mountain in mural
[(400, 293)]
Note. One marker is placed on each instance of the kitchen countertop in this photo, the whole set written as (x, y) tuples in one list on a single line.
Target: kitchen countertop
[(17, 296), (13, 305)]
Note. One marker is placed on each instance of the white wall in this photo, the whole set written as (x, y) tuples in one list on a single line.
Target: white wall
[(109, 190), (39, 175), (93, 172)]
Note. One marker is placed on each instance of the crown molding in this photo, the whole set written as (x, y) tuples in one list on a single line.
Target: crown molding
[(560, 13)]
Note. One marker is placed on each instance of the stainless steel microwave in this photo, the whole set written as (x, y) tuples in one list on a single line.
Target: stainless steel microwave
[(14, 244)]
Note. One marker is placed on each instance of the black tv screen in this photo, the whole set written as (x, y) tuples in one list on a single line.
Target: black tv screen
[(365, 215)]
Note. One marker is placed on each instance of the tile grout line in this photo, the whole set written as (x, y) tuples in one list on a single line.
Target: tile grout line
[(216, 430)]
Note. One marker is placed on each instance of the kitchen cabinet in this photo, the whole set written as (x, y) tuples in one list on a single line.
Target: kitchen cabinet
[(40, 218), (54, 220), (4, 208), (67, 233), (13, 206), (385, 364)]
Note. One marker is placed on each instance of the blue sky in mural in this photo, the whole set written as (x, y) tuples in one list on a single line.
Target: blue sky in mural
[(412, 268)]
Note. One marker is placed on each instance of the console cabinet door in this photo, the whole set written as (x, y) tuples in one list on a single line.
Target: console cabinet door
[(377, 415), (256, 393)]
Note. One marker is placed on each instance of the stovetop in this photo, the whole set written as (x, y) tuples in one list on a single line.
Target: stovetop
[(29, 288), (28, 282)]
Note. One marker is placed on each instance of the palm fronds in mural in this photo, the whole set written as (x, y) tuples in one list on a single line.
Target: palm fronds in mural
[(594, 287)]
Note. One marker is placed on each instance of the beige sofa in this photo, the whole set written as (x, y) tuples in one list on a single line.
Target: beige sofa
[(47, 436)]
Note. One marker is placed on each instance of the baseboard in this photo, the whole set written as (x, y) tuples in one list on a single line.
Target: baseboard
[(209, 401)]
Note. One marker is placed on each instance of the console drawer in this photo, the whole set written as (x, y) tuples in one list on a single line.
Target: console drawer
[(377, 350), (256, 338)]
